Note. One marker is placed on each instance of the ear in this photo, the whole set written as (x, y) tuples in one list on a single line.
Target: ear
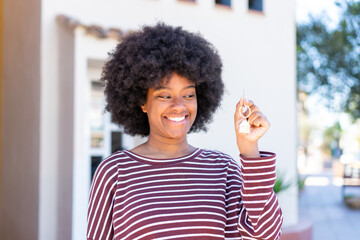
[(143, 108)]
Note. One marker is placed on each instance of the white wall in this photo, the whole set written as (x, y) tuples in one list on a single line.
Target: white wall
[(258, 52)]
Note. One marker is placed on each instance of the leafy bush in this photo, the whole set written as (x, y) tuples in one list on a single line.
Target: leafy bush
[(280, 184)]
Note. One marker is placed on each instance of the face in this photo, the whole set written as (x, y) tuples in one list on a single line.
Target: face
[(171, 108)]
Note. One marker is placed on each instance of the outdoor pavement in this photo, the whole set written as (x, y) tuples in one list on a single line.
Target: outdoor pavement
[(321, 203)]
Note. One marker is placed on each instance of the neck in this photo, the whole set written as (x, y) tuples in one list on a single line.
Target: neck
[(157, 147)]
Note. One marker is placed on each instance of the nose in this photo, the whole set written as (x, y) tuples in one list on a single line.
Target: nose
[(178, 104)]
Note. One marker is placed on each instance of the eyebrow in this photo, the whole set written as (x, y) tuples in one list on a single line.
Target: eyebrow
[(163, 87)]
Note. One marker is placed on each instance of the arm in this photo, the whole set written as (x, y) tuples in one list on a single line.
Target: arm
[(260, 215), (99, 222)]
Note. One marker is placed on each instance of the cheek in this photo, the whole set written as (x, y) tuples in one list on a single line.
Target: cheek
[(155, 110), (194, 108)]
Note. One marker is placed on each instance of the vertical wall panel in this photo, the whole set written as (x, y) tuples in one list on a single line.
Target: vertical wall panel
[(20, 135), (1, 30)]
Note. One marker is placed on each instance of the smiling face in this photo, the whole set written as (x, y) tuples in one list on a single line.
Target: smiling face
[(171, 108)]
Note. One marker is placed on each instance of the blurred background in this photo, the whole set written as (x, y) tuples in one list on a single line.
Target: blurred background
[(328, 90), (297, 59)]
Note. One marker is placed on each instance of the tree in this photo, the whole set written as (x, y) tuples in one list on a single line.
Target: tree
[(328, 59), (331, 143)]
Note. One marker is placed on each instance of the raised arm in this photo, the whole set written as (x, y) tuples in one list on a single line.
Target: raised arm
[(260, 215)]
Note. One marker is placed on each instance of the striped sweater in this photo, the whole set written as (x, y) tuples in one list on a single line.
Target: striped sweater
[(205, 195)]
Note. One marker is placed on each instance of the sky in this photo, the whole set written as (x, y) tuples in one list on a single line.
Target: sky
[(315, 7)]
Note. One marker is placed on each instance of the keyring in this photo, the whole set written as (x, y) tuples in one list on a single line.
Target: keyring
[(241, 111)]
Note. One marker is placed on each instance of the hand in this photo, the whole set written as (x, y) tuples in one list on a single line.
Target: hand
[(248, 142)]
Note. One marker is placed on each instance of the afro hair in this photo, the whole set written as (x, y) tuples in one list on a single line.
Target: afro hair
[(142, 60)]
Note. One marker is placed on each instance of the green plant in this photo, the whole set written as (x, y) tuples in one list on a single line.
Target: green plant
[(280, 184), (301, 183)]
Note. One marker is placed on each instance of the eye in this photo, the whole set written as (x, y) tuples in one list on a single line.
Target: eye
[(164, 97), (189, 96)]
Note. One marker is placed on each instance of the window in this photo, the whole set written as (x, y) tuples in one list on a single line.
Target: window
[(256, 5), (116, 141), (95, 161), (96, 114), (223, 2)]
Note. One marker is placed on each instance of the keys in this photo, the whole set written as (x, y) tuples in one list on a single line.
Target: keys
[(244, 127), (245, 112)]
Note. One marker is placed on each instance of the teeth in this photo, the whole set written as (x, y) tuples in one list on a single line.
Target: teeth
[(176, 119)]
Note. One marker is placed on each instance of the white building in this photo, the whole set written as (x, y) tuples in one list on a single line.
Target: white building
[(51, 58)]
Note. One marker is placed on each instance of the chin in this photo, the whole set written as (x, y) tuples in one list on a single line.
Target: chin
[(178, 135)]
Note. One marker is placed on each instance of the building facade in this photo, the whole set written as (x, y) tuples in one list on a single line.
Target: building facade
[(54, 131)]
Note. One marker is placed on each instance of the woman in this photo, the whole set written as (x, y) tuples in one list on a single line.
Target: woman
[(164, 82)]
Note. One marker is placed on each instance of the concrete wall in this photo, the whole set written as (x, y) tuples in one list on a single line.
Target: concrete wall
[(20, 120)]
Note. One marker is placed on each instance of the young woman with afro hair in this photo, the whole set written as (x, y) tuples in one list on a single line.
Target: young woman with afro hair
[(164, 82)]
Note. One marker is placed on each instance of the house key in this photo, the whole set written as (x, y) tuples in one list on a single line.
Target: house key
[(244, 112)]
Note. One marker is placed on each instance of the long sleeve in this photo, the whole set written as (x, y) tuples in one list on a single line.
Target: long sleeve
[(199, 196), (101, 201), (260, 215)]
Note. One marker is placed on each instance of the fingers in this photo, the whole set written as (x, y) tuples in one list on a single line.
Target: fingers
[(245, 102), (249, 104), (256, 117), (241, 104)]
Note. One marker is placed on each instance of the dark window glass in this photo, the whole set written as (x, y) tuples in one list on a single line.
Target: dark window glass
[(116, 145), (116, 141), (223, 2), (256, 5), (95, 161)]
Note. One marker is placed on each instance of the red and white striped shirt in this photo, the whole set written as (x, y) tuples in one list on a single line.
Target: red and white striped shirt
[(205, 195)]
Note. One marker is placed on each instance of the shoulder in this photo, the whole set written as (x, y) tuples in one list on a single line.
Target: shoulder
[(110, 164), (216, 155), (218, 158), (209, 153)]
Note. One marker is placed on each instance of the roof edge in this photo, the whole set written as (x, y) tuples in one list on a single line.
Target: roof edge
[(94, 30)]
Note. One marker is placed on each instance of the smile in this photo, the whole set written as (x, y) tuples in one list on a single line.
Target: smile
[(176, 119)]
